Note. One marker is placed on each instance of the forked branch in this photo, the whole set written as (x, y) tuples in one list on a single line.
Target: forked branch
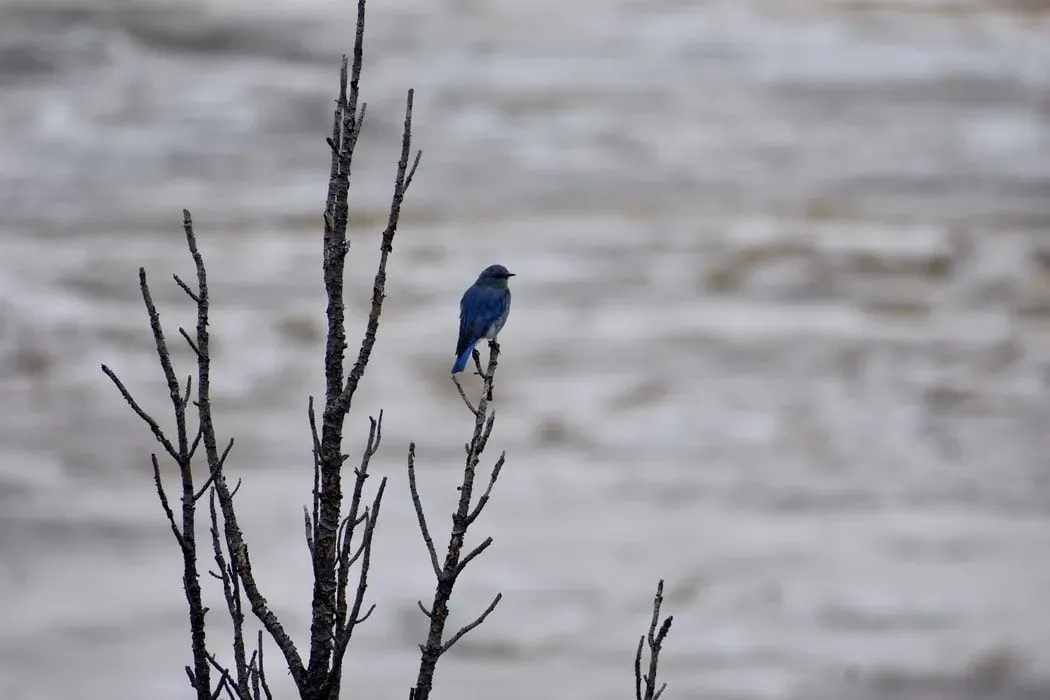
[(655, 638), (327, 538), (455, 560)]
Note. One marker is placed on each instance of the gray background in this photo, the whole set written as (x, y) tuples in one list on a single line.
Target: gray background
[(781, 333)]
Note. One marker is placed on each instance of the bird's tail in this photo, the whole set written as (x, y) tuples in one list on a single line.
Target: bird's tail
[(461, 361)]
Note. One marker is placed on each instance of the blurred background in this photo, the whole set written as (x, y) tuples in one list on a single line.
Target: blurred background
[(781, 333)]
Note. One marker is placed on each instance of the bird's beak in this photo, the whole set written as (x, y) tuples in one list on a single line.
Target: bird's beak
[(511, 274)]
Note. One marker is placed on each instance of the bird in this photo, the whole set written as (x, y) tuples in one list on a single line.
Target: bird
[(483, 311)]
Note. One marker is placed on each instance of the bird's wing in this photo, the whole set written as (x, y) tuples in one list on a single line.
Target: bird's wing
[(478, 310)]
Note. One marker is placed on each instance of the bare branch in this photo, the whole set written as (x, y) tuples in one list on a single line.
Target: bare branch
[(239, 558), (368, 614), (353, 519), (423, 529), (638, 669), (330, 538), (484, 441), (218, 468), (386, 247), (467, 628), (463, 395), (181, 454), (185, 287), (354, 618), (463, 517), (311, 532), (412, 170), (189, 341), (196, 440), (232, 594), (470, 557), (146, 418), (165, 505), (488, 489), (257, 671), (163, 356), (224, 681), (360, 550), (655, 639), (253, 674), (346, 127), (309, 527)]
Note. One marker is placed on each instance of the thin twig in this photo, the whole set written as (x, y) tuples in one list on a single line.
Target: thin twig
[(353, 519), (488, 489), (181, 454), (420, 516), (473, 553), (224, 681), (218, 468), (309, 527), (146, 418), (655, 639), (467, 628), (186, 288), (360, 550), (232, 595), (311, 531), (464, 515), (257, 669), (164, 503), (463, 395), (239, 558), (385, 248), (196, 438), (189, 341), (354, 617), (412, 170), (253, 674), (638, 669)]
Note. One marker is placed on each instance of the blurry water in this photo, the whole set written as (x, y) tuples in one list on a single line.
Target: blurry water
[(781, 333)]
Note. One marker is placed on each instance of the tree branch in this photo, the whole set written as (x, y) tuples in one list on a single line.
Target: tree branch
[(231, 589), (311, 525), (466, 628), (488, 489), (375, 436), (463, 517), (331, 545), (257, 669), (200, 675), (146, 418), (473, 553), (420, 516), (347, 624), (164, 503), (211, 477), (346, 128), (655, 639), (239, 558)]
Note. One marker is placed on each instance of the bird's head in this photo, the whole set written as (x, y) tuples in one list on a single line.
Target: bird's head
[(495, 276)]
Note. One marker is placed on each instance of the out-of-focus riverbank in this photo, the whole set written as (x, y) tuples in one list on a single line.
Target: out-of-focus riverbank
[(781, 333)]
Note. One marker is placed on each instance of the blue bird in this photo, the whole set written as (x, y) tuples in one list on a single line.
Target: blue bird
[(482, 312)]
